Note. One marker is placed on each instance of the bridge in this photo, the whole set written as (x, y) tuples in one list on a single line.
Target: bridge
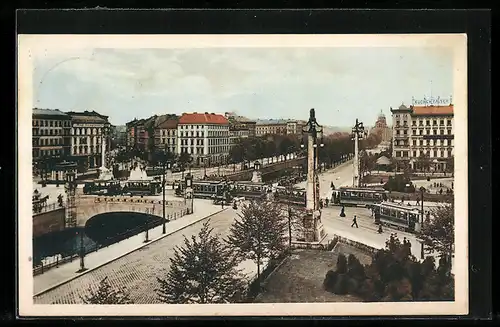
[(90, 206)]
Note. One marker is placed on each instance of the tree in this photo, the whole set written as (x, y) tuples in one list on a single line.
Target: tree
[(438, 232), (237, 152), (260, 233), (184, 159), (203, 271), (105, 294), (424, 162)]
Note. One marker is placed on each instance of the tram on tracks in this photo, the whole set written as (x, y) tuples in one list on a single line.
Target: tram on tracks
[(397, 215), (250, 190), (290, 195), (207, 189), (104, 187), (142, 187), (365, 197)]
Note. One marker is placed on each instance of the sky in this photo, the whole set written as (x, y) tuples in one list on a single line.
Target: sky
[(342, 84)]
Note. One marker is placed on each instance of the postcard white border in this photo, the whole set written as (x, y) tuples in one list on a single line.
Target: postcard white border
[(28, 45)]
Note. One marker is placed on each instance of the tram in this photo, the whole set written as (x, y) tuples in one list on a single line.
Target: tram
[(399, 216), (109, 187), (358, 196), (293, 196), (250, 190), (207, 189), (141, 187)]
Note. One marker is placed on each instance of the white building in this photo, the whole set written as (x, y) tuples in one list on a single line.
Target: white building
[(423, 131), (87, 130), (204, 136)]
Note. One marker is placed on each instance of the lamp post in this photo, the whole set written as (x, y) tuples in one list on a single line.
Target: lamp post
[(189, 191), (358, 132), (422, 189), (314, 228), (167, 165), (70, 189), (82, 254)]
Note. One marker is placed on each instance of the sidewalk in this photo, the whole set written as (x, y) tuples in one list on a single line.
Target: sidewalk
[(66, 272)]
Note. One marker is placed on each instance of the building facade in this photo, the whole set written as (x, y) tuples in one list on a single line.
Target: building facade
[(271, 126), (51, 134), (423, 136), (382, 129), (166, 133), (241, 123), (88, 129), (205, 136), (294, 127)]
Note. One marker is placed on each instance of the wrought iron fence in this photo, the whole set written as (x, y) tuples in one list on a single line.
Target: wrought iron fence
[(57, 260), (38, 208)]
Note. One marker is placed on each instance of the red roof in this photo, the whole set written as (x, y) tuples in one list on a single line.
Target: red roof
[(433, 110), (204, 119)]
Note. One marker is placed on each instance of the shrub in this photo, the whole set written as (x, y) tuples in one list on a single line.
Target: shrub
[(341, 264), (330, 280), (341, 285)]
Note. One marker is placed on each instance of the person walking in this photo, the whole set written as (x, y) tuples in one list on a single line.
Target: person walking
[(342, 212), (354, 222)]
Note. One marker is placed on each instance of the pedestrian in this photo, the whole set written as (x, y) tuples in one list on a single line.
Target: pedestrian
[(342, 212), (380, 229), (404, 241), (222, 203), (418, 201), (354, 222), (326, 202)]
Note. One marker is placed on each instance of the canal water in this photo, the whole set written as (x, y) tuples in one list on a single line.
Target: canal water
[(99, 231)]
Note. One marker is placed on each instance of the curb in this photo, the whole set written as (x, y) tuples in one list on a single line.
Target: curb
[(122, 255)]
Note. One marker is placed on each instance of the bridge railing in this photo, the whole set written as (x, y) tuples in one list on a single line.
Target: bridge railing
[(38, 208), (57, 260), (173, 204)]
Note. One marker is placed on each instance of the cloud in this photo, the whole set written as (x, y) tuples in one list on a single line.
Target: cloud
[(341, 83)]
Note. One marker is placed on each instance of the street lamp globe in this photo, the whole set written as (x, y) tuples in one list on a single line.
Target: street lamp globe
[(189, 180), (256, 165)]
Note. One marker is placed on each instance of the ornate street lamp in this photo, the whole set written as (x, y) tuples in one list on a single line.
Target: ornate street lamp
[(167, 165), (256, 165), (422, 190)]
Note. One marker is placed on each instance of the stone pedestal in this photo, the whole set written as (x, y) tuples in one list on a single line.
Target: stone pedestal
[(256, 177), (314, 230)]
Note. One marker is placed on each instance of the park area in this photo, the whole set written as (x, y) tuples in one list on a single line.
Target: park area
[(300, 277)]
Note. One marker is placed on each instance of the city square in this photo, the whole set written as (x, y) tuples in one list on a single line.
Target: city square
[(229, 204)]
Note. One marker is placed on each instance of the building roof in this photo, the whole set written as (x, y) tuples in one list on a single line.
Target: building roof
[(49, 112), (272, 121), (88, 117), (432, 110), (167, 122), (204, 119)]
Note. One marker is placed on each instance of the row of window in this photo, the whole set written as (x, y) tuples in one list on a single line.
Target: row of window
[(49, 132), (86, 140), (53, 152), (431, 154), (437, 142), (48, 142), (86, 131), (85, 149), (186, 142), (203, 126), (424, 132), (51, 123)]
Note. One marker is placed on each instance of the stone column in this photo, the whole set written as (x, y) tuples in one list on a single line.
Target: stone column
[(103, 150), (356, 161), (310, 205)]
